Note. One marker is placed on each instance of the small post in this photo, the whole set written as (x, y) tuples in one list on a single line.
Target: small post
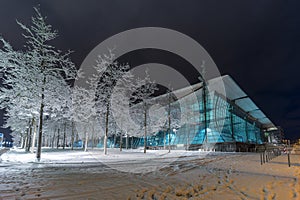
[(267, 156), (289, 160), (271, 155), (263, 155), (261, 159)]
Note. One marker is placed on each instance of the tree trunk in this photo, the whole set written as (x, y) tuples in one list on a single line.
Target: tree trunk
[(72, 137), (115, 140), (115, 137), (57, 141), (165, 138), (39, 144), (43, 143), (86, 139), (23, 142), (106, 129), (93, 135), (121, 141), (53, 139), (121, 138), (145, 133), (64, 139), (34, 135), (27, 139)]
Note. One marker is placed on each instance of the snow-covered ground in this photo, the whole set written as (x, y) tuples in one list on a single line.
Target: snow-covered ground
[(133, 161), (131, 174)]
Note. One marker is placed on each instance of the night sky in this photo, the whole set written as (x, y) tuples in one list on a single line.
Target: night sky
[(257, 42)]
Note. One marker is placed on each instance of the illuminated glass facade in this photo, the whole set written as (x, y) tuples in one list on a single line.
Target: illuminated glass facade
[(223, 125), (212, 121), (227, 126)]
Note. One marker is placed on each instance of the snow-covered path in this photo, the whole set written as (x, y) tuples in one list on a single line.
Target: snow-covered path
[(156, 175)]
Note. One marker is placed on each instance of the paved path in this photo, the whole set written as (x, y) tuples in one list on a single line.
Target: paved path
[(4, 150)]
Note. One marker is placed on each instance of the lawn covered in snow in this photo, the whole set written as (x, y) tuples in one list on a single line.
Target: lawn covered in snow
[(131, 174)]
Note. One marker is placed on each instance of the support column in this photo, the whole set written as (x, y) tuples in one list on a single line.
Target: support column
[(231, 123), (204, 96), (246, 129)]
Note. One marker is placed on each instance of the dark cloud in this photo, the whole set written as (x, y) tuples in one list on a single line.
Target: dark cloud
[(256, 42)]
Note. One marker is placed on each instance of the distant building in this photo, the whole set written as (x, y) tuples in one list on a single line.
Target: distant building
[(275, 135)]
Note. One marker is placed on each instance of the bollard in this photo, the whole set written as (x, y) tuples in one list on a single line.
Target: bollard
[(261, 159), (263, 154), (289, 160), (272, 152), (267, 157), (272, 155)]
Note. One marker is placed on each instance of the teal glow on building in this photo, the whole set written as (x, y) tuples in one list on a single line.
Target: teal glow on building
[(219, 116)]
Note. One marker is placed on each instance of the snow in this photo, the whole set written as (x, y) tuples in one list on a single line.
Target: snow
[(140, 162), (131, 174)]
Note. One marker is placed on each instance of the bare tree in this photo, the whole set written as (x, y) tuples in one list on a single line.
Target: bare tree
[(84, 109), (144, 94), (43, 64), (108, 72)]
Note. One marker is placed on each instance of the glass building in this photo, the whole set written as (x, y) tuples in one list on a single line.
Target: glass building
[(214, 115), (217, 115)]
